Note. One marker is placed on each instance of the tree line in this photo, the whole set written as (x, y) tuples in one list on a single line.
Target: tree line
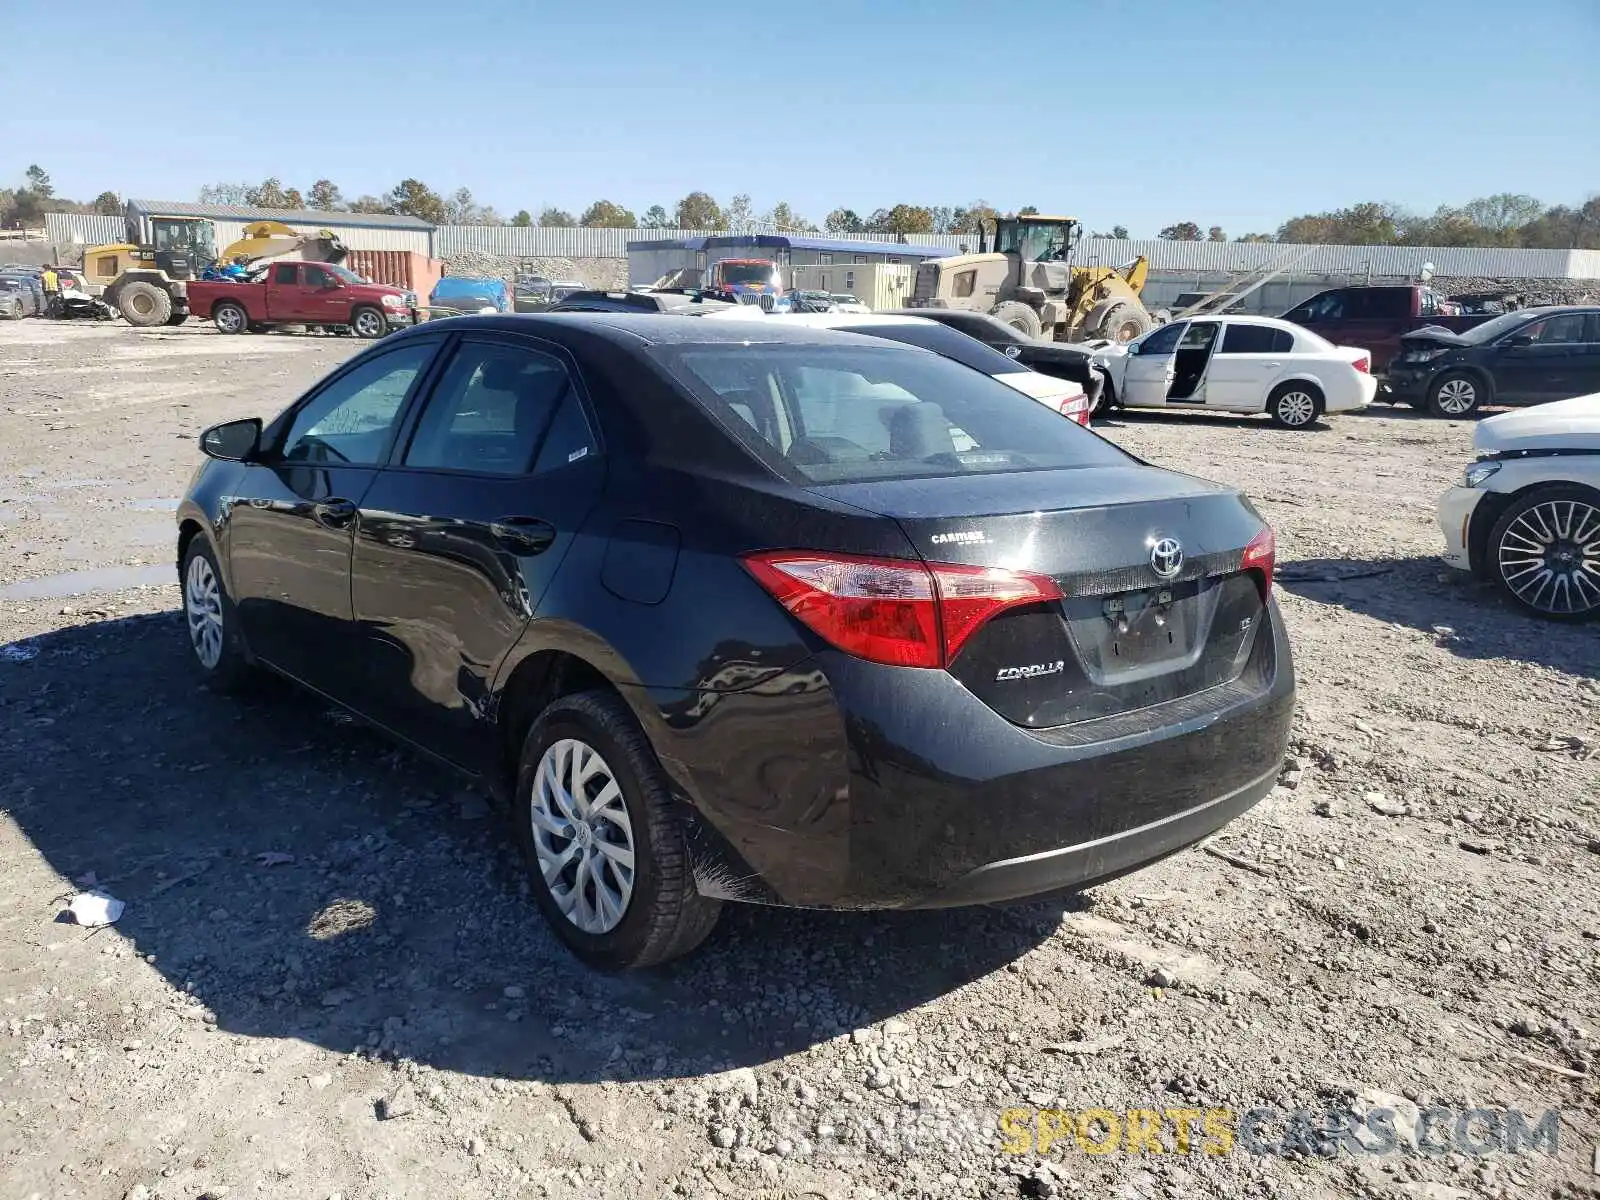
[(1505, 219), (24, 207)]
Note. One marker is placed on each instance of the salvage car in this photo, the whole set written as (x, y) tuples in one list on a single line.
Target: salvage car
[(1064, 360), (17, 299), (1239, 365), (1527, 357), (1527, 513), (754, 613)]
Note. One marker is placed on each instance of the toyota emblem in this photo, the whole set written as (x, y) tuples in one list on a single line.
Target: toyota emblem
[(1013, 351), (1166, 557)]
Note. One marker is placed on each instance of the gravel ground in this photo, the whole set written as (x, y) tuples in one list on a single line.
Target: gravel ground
[(329, 980)]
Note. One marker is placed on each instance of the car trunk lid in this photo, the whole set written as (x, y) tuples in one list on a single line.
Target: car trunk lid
[(1156, 600)]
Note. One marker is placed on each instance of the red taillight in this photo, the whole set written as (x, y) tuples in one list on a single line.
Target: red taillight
[(1261, 555), (1363, 364), (894, 611), (1077, 408)]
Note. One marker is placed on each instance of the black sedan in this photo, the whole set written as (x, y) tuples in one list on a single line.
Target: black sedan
[(1061, 359), (1526, 357), (756, 614)]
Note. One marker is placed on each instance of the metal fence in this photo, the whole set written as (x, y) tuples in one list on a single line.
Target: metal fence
[(1356, 262)]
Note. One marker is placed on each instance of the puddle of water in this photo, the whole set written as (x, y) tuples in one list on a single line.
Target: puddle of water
[(99, 579)]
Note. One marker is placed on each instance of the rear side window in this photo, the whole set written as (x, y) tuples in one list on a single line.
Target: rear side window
[(835, 414), (1256, 339), (951, 343)]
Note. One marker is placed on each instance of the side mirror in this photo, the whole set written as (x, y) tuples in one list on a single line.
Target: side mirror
[(1520, 339), (232, 441)]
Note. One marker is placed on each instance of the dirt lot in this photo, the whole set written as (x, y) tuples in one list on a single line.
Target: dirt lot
[(374, 1009)]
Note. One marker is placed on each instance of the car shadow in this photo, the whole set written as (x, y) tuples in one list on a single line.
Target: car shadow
[(1123, 417), (303, 877), (1469, 618)]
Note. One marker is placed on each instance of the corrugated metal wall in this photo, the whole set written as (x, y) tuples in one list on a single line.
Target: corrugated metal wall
[(1225, 257), (509, 241)]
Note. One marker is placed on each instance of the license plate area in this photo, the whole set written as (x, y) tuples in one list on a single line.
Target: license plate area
[(1123, 635), (1145, 627)]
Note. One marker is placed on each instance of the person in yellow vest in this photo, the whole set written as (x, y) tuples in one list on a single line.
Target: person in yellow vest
[(51, 282)]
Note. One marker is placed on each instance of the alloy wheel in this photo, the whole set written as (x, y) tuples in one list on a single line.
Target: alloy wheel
[(1549, 557), (368, 324), (582, 836), (1457, 396), (202, 605), (1296, 408)]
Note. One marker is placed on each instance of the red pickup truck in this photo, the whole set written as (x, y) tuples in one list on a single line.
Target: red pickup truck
[(304, 293), (1374, 317)]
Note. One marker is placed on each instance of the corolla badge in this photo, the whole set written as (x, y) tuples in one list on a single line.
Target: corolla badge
[(1166, 557)]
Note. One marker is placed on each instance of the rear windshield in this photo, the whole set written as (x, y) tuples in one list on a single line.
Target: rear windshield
[(846, 414), (968, 351)]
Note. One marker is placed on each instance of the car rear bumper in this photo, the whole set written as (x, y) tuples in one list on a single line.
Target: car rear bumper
[(1366, 388), (895, 788), (1454, 513)]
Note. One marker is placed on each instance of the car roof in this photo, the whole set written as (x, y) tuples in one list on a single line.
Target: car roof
[(636, 328)]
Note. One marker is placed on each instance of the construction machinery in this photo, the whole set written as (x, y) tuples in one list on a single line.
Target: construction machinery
[(1030, 281), (146, 277)]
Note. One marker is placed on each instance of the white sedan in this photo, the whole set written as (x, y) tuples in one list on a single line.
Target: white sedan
[(1239, 365), (1061, 395), (1527, 513)]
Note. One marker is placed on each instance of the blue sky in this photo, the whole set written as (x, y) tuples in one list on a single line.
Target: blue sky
[(1233, 112)]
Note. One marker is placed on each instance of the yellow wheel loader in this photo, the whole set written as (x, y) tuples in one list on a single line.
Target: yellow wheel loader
[(1030, 282)]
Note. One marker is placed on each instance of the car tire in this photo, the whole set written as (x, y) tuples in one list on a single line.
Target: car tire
[(231, 318), (177, 318), (368, 323), (1295, 405), (1544, 552), (611, 916), (1455, 394), (212, 620), (1020, 317), (144, 305)]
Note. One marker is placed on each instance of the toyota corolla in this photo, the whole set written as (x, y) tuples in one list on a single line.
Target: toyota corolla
[(749, 613)]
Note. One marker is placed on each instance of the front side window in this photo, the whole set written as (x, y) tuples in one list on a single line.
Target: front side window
[(317, 277), (831, 414), (489, 410), (350, 420), (1164, 340), (1199, 336)]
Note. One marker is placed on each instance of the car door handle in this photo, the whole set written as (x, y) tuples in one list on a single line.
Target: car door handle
[(526, 535), (335, 514)]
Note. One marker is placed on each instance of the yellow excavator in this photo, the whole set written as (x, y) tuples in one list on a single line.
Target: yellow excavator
[(146, 278), (1030, 282)]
